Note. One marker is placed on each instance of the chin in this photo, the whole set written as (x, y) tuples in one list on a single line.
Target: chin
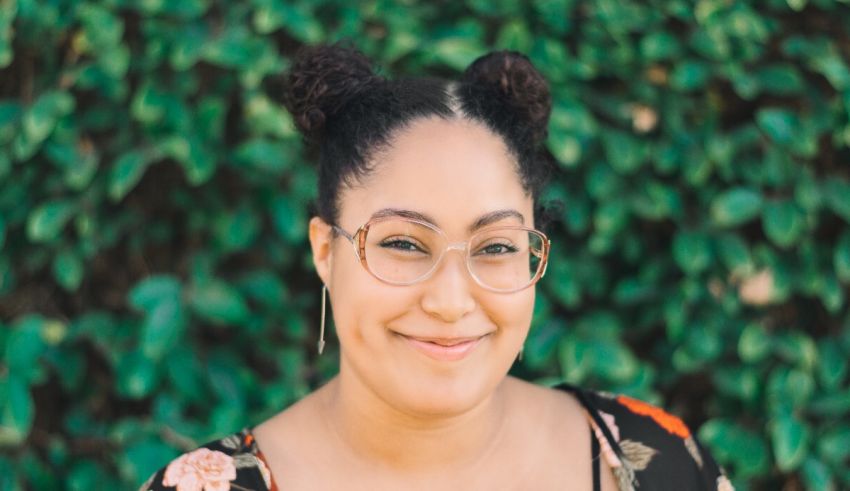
[(440, 396)]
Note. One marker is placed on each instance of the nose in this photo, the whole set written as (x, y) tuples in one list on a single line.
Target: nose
[(447, 292)]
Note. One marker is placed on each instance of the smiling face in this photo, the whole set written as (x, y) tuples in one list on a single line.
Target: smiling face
[(454, 172)]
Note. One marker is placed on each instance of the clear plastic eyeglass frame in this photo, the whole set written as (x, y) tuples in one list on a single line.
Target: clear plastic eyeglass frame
[(358, 240)]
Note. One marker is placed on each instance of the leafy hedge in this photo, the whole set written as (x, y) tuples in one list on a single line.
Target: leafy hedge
[(156, 289)]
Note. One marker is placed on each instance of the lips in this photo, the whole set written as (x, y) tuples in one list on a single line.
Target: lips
[(443, 349)]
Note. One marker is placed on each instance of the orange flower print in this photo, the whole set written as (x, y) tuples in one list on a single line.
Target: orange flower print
[(201, 470), (664, 419)]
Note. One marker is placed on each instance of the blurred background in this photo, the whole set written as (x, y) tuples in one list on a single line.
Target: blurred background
[(156, 286)]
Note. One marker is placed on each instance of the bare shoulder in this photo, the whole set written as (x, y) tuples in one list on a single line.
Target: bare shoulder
[(558, 403), (289, 433), (551, 412)]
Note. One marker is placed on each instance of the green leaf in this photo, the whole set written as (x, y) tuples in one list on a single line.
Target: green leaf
[(736, 445), (456, 52), (10, 115), (68, 269), (85, 475), (832, 405), (153, 290), (25, 345), (7, 16), (565, 147), (660, 45), (218, 303), (265, 287), (790, 438), (832, 364), (692, 252), (238, 229), (296, 20), (780, 125), (8, 475), (273, 156), (18, 411), (741, 382), (783, 222), (515, 36), (754, 344), (144, 458), (136, 375), (837, 193), (734, 253), (126, 173), (780, 79), (184, 372), (611, 360), (736, 206), (562, 282), (288, 219), (817, 475), (834, 445), (46, 222), (841, 258), (162, 328), (624, 152), (690, 75), (788, 389), (41, 118)]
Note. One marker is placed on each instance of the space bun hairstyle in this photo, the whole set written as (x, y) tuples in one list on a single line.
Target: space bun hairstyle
[(348, 113)]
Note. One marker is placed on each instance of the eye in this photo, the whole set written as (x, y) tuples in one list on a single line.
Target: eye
[(400, 244), (497, 249)]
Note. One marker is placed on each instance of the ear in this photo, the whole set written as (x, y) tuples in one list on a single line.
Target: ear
[(320, 242)]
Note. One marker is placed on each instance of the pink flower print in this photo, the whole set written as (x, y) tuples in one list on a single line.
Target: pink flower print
[(201, 470), (607, 451)]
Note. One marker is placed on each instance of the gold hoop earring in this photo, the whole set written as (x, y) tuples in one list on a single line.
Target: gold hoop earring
[(322, 327)]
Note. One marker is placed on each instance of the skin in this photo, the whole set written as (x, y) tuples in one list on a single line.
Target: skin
[(394, 418)]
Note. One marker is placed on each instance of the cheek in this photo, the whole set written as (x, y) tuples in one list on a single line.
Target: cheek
[(512, 313), (362, 305)]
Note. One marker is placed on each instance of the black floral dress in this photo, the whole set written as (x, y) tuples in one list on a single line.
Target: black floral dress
[(645, 447)]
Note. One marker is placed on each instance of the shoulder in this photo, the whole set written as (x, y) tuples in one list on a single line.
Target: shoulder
[(219, 464), (649, 445)]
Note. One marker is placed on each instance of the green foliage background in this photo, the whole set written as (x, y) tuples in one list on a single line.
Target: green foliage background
[(156, 289)]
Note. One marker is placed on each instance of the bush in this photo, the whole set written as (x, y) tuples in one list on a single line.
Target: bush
[(156, 289)]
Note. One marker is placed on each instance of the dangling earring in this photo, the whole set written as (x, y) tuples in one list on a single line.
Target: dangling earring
[(322, 327), (519, 358)]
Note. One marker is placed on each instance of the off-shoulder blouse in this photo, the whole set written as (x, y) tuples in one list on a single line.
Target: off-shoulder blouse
[(646, 447)]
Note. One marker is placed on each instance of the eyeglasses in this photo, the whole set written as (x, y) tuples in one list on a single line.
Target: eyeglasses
[(404, 251)]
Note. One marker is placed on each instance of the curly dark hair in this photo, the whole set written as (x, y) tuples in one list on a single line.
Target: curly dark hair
[(348, 114)]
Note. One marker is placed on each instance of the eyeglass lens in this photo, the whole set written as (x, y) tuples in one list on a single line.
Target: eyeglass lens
[(402, 252)]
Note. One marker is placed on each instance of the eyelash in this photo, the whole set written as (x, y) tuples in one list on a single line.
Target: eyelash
[(390, 242)]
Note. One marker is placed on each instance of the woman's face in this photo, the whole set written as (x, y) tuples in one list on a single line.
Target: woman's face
[(454, 172)]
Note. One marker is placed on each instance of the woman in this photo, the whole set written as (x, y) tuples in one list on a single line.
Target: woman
[(426, 246)]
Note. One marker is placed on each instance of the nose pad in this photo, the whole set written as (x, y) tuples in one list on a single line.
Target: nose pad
[(451, 299), (460, 247)]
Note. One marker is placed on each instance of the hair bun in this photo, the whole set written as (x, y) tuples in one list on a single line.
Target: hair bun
[(321, 80), (512, 75)]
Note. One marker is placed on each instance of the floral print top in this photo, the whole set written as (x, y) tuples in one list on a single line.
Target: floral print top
[(645, 447)]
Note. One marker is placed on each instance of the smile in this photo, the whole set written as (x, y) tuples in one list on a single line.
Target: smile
[(443, 349)]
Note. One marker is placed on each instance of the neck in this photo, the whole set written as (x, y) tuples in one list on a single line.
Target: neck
[(378, 435)]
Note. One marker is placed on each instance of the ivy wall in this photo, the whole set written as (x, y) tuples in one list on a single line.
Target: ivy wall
[(156, 286)]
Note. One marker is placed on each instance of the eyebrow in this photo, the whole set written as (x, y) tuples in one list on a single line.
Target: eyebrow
[(483, 220)]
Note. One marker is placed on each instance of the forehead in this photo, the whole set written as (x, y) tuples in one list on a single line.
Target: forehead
[(453, 171)]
